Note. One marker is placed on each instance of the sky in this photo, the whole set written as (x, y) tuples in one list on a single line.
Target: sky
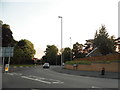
[(38, 22)]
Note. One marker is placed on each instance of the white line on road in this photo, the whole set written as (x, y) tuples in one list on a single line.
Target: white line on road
[(36, 77), (57, 82), (19, 74), (34, 89), (9, 73), (46, 79), (95, 87), (36, 80)]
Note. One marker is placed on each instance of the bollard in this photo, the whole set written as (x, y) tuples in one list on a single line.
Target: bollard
[(75, 66), (6, 68), (103, 71)]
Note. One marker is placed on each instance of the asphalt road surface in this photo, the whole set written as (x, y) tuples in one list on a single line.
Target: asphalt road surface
[(37, 77)]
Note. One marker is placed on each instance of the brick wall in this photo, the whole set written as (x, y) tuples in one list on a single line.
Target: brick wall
[(112, 67), (98, 58)]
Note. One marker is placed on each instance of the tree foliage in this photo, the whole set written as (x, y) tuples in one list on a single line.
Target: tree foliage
[(23, 52), (23, 49), (51, 54), (67, 54), (103, 42), (88, 46), (77, 50), (7, 38)]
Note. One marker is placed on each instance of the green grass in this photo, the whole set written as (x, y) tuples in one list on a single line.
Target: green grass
[(106, 61), (78, 62), (90, 62)]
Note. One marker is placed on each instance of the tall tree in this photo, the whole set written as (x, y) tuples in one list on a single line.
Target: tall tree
[(88, 46), (24, 52), (103, 42), (7, 38), (51, 54), (1, 23), (67, 54), (78, 50)]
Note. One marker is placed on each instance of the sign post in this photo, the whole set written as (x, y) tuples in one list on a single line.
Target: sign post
[(3, 63), (6, 52)]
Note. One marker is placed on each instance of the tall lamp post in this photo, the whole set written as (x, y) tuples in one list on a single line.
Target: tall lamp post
[(61, 39), (71, 50)]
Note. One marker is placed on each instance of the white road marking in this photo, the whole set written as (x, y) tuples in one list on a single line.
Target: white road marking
[(45, 79), (34, 89), (95, 87), (36, 80), (19, 74), (36, 77), (58, 82), (10, 74)]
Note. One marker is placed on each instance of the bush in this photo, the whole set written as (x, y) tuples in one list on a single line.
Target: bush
[(78, 62), (90, 62)]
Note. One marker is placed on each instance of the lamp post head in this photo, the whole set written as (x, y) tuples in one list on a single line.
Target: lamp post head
[(59, 17)]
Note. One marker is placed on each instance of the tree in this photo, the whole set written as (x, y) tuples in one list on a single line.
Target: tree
[(117, 44), (67, 54), (23, 52), (78, 50), (103, 42), (88, 46), (51, 54), (7, 38), (1, 23)]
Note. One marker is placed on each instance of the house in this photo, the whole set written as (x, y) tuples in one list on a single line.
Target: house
[(117, 44), (94, 52)]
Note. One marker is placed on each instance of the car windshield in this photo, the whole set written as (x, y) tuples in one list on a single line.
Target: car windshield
[(46, 64)]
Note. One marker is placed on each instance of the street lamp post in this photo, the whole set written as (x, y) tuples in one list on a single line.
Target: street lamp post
[(71, 50), (61, 39)]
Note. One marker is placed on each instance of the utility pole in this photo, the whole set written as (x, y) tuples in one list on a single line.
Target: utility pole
[(61, 39), (71, 49)]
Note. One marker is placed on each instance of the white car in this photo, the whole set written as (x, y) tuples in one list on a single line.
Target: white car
[(46, 65)]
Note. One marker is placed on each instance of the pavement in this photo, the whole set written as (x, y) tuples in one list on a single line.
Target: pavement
[(109, 75)]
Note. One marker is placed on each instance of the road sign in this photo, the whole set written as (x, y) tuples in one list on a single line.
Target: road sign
[(6, 51)]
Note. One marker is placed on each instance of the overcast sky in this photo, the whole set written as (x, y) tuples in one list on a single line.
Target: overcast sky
[(38, 22)]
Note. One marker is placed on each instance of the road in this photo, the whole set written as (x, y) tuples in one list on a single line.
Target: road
[(37, 77)]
